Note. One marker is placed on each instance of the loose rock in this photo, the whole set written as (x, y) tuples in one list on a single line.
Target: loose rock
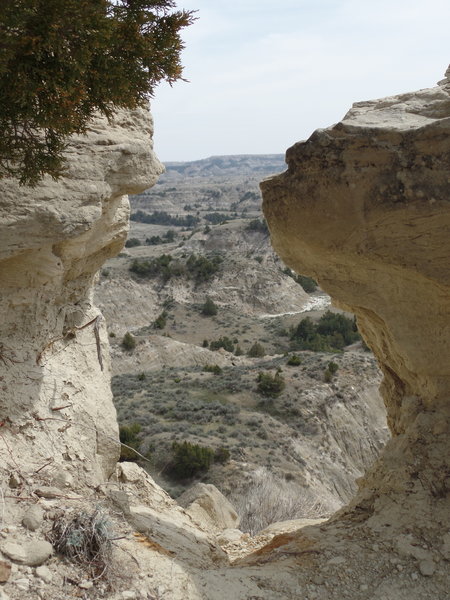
[(48, 491), (427, 567), (5, 571), (33, 518), (45, 574)]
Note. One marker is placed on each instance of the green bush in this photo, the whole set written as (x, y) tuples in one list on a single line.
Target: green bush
[(308, 283), (294, 361), (209, 308), (189, 460), (201, 268), (270, 385), (221, 455), (258, 225), (161, 321), (128, 434), (128, 342), (132, 242), (160, 217), (332, 333), (213, 369), (257, 350), (223, 342), (333, 367)]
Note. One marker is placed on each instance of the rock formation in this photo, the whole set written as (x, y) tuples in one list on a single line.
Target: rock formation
[(364, 207), (54, 350)]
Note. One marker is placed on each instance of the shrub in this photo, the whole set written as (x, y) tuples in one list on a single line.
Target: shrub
[(258, 225), (128, 342), (308, 283), (160, 321), (202, 268), (215, 218), (270, 385), (86, 539), (294, 360), (189, 459), (162, 218), (256, 351), (268, 499), (128, 435), (213, 369), (333, 367), (221, 455), (223, 342), (209, 308), (132, 242), (205, 344)]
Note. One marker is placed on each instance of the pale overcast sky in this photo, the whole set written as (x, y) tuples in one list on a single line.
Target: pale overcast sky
[(263, 75)]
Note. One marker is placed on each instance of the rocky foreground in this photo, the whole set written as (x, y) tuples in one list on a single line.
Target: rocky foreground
[(364, 208)]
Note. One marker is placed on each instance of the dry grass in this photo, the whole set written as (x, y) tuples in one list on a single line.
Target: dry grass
[(86, 539), (268, 499)]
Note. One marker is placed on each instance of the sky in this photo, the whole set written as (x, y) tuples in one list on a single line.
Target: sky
[(264, 75)]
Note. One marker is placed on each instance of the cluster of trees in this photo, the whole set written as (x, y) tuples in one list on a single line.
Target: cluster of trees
[(63, 62), (197, 267), (215, 217), (331, 333), (167, 238), (160, 217)]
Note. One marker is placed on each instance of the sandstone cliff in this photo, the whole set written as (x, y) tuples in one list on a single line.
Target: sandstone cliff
[(364, 207)]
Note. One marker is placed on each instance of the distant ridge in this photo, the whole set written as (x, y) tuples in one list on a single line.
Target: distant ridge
[(235, 164)]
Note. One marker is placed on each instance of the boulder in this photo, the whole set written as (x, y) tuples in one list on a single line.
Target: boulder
[(209, 507)]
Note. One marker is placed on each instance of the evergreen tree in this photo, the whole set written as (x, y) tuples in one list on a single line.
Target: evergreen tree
[(61, 61)]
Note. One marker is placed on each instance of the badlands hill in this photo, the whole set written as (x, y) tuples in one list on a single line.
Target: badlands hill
[(332, 429), (377, 241)]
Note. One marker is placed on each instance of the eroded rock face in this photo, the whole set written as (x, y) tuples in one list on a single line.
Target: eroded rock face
[(53, 349), (365, 208)]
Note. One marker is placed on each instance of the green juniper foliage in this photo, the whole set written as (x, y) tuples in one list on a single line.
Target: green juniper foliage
[(61, 61)]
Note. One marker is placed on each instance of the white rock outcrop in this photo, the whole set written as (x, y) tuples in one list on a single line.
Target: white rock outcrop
[(55, 397)]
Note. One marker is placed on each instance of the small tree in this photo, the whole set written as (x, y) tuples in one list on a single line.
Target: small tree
[(189, 459), (270, 385), (256, 351), (209, 308), (223, 342), (128, 342), (294, 361), (132, 242), (161, 321), (128, 434)]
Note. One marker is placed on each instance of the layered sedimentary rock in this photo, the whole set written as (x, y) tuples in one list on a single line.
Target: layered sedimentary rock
[(364, 207), (55, 400)]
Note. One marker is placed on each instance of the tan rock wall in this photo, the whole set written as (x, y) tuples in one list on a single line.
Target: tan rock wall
[(365, 208)]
